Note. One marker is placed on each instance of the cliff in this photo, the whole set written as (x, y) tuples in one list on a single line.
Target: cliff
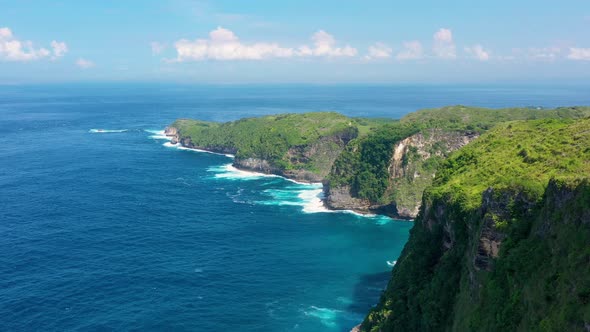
[(302, 147), (410, 169), (501, 239)]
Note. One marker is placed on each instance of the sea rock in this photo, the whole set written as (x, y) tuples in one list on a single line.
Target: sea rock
[(339, 198)]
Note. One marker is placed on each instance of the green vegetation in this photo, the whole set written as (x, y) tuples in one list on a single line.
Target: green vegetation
[(481, 119), (539, 280), (363, 166), (525, 155), (286, 141)]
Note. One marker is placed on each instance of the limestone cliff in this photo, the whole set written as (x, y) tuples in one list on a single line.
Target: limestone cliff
[(411, 168)]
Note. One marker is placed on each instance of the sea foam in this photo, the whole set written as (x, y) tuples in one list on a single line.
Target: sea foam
[(106, 131), (325, 315), (308, 196), (158, 134), (180, 147)]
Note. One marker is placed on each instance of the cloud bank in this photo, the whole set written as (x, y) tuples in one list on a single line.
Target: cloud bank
[(224, 45), (13, 49)]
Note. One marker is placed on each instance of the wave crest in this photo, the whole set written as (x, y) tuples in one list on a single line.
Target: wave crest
[(106, 131)]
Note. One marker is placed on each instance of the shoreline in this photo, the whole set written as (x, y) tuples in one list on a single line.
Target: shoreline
[(172, 136)]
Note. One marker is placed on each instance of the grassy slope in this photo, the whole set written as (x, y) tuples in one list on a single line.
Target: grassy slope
[(523, 154), (541, 278)]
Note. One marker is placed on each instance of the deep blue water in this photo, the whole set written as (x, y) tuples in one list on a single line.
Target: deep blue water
[(115, 231)]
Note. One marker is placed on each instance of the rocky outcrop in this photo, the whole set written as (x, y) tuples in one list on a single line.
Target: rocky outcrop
[(172, 132), (339, 198), (424, 145), (256, 165)]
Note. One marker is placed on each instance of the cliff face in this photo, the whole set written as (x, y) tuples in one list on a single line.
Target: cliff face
[(412, 167), (501, 242), (513, 264)]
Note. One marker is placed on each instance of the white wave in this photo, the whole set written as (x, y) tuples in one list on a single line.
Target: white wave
[(391, 263), (325, 315), (309, 196), (158, 134), (180, 147), (106, 131), (229, 172), (313, 202)]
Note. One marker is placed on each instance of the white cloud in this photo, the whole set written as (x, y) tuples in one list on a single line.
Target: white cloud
[(444, 46), (5, 33), (59, 49), (84, 63), (157, 47), (412, 50), (579, 54), (478, 52), (544, 53), (325, 46), (379, 51), (223, 44), (12, 49)]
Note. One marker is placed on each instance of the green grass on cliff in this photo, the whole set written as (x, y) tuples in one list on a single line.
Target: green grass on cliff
[(517, 154), (541, 279), (482, 119)]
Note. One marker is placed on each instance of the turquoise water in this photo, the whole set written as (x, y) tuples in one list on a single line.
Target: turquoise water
[(118, 230)]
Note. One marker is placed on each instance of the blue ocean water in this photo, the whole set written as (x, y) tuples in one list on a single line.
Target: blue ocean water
[(117, 231)]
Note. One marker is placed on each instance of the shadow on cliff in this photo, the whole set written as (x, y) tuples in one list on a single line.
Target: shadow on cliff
[(367, 291)]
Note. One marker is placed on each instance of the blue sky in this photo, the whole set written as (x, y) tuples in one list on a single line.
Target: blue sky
[(303, 41)]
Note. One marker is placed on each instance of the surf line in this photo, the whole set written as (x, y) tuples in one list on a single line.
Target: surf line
[(312, 197)]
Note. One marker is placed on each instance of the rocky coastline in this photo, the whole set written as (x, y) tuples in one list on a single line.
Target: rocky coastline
[(341, 197)]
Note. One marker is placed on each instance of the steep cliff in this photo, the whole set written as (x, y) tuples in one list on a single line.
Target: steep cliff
[(501, 240)]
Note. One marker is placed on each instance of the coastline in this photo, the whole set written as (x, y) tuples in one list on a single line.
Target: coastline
[(171, 134)]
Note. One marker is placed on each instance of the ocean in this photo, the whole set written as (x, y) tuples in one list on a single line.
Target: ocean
[(115, 229)]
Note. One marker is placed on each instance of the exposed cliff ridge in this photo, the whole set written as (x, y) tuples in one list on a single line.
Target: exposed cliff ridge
[(410, 170)]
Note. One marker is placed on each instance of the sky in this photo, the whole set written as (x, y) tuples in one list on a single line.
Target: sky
[(297, 41)]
